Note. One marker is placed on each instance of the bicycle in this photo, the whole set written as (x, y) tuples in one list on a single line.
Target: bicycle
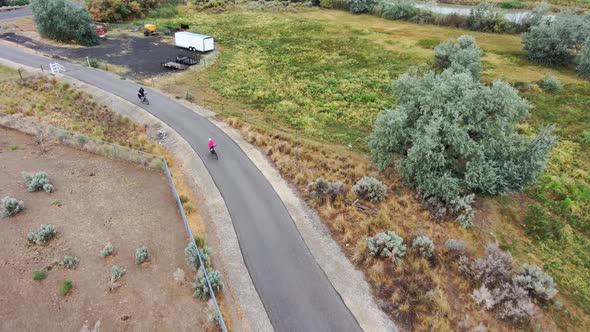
[(143, 98), (214, 153)]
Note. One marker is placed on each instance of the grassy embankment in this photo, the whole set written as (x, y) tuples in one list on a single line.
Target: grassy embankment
[(323, 76), (59, 105)]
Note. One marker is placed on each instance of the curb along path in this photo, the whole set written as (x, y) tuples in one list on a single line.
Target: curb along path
[(294, 290)]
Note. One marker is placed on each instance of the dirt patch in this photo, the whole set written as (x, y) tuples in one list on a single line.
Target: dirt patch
[(101, 201), (142, 56)]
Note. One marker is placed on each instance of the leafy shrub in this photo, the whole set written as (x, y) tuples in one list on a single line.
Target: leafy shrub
[(117, 273), (551, 84), (455, 246), (200, 284), (39, 275), (118, 10), (537, 16), (44, 234), (62, 21), (190, 254), (11, 206), (510, 294), (370, 189), (485, 17), (452, 136), (321, 189), (360, 6), (387, 244), (423, 245), (71, 262), (555, 42), (66, 287), (141, 255), (583, 60), (37, 182), (463, 206), (538, 283), (462, 56), (511, 301), (107, 250), (399, 9), (338, 189), (493, 270), (326, 3), (213, 316)]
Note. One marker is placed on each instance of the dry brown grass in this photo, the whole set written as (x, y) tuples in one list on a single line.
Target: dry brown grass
[(22, 24), (419, 294)]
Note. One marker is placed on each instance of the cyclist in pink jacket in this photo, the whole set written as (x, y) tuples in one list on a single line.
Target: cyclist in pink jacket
[(211, 144)]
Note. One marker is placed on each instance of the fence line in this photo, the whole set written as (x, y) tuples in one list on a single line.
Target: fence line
[(114, 151), (190, 233)]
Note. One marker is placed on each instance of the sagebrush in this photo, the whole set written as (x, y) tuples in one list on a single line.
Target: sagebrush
[(200, 284), (511, 294), (141, 255), (191, 255), (39, 181), (551, 84), (11, 206), (387, 244), (423, 245), (107, 250), (117, 273), (44, 234), (71, 262), (322, 189), (370, 189)]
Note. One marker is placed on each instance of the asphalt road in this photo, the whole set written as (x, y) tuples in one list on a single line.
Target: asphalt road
[(294, 290), (9, 14)]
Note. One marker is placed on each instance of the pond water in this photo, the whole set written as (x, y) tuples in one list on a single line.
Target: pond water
[(512, 15)]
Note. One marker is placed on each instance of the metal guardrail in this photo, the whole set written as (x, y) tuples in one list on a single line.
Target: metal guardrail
[(190, 233), (114, 151)]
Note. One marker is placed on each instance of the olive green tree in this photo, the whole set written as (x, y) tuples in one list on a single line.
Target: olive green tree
[(451, 136), (60, 20)]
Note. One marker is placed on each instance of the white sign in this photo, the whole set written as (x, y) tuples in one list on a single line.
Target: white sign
[(56, 68)]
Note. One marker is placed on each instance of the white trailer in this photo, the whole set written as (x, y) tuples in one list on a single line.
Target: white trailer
[(194, 41)]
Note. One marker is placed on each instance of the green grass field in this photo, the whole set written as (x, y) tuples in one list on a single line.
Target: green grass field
[(327, 74)]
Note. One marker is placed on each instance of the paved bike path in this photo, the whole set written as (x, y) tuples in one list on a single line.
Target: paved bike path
[(294, 290), (16, 13)]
